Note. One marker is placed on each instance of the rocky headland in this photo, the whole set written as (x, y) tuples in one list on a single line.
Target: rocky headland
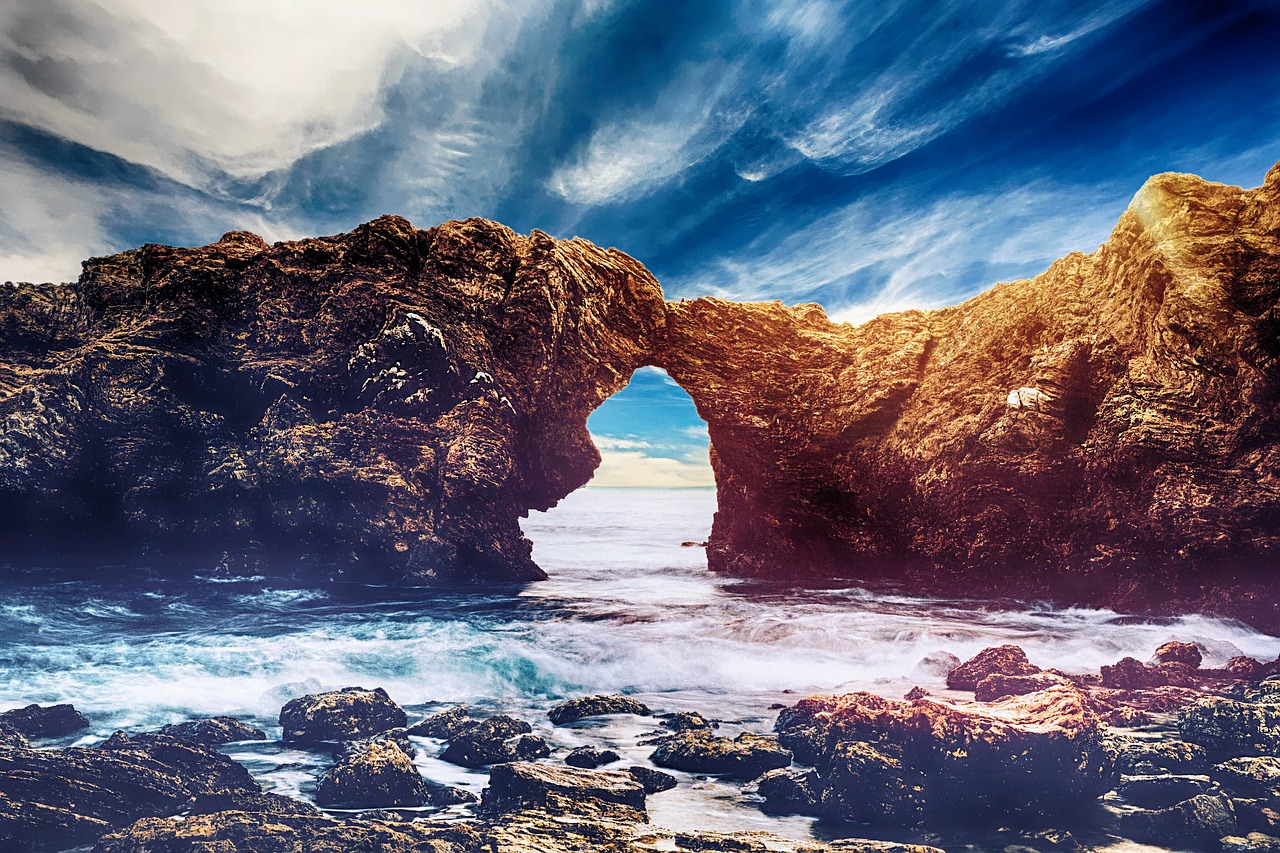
[(386, 404)]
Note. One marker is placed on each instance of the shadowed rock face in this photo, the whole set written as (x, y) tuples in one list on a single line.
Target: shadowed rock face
[(1104, 433), (386, 404), (382, 404)]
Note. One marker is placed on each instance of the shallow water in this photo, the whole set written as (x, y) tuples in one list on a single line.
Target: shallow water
[(628, 609)]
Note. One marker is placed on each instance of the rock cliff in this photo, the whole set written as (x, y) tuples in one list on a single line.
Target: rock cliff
[(386, 404), (1105, 433)]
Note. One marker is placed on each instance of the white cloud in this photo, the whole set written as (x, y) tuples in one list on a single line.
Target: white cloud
[(921, 255), (238, 87), (635, 468), (629, 157), (608, 442)]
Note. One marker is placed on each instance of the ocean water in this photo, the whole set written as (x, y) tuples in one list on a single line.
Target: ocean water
[(628, 608)]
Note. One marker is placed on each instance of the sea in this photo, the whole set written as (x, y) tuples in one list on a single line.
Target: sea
[(629, 607)]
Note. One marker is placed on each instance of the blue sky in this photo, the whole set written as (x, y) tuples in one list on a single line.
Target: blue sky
[(866, 155)]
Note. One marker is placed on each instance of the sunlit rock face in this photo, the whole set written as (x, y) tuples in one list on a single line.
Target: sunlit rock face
[(383, 404), (1106, 433)]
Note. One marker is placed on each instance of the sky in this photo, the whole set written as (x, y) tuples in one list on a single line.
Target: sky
[(869, 156)]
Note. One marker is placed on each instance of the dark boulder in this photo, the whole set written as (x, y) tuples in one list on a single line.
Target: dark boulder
[(523, 785), (493, 741), (1133, 674), (1228, 728), (998, 686), (1026, 760), (787, 791), (590, 758), (1193, 824), (213, 731), (653, 781), (446, 725), (374, 774), (997, 660), (596, 706), (10, 736), (348, 714), (47, 721), (1135, 757), (1186, 654), (202, 769), (743, 757), (1158, 792), (916, 692), (1253, 776), (683, 721)]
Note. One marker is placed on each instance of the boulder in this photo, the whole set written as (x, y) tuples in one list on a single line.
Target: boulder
[(522, 785), (339, 715), (493, 741), (1134, 757), (788, 791), (998, 685), (935, 665), (1158, 792), (1252, 776), (44, 721), (590, 757), (1186, 654), (1027, 759), (445, 725), (214, 731), (683, 721), (10, 736), (916, 692), (596, 706), (1229, 728), (743, 757), (653, 781), (1193, 824), (1133, 674), (1254, 842), (997, 660), (250, 801), (373, 774), (202, 768)]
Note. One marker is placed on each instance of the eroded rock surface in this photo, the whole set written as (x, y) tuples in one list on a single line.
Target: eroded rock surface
[(347, 714)]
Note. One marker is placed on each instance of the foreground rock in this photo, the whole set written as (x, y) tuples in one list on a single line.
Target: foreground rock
[(1229, 728), (493, 741), (999, 660), (52, 800), (44, 721), (1026, 760), (373, 774), (446, 725), (743, 757), (348, 714), (214, 731), (596, 706), (523, 785)]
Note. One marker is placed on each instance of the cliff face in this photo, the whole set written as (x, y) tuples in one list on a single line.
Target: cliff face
[(1106, 433), (381, 404), (386, 404)]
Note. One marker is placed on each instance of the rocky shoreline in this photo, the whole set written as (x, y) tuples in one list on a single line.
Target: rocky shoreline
[(1165, 753)]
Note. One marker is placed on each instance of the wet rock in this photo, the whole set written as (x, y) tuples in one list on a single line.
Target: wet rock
[(243, 831), (916, 692), (683, 721), (998, 660), (250, 801), (63, 798), (1250, 776), (998, 686), (375, 774), (348, 714), (214, 731), (1124, 717), (1194, 824), (1158, 792), (10, 736), (523, 785), (446, 725), (935, 665), (653, 781), (743, 757), (596, 706), (1254, 842), (1028, 759), (787, 791), (44, 721), (590, 758), (1135, 757), (1228, 728), (1133, 674), (493, 741), (1186, 654)]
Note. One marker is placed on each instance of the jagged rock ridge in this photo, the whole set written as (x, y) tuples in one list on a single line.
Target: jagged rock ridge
[(387, 403)]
